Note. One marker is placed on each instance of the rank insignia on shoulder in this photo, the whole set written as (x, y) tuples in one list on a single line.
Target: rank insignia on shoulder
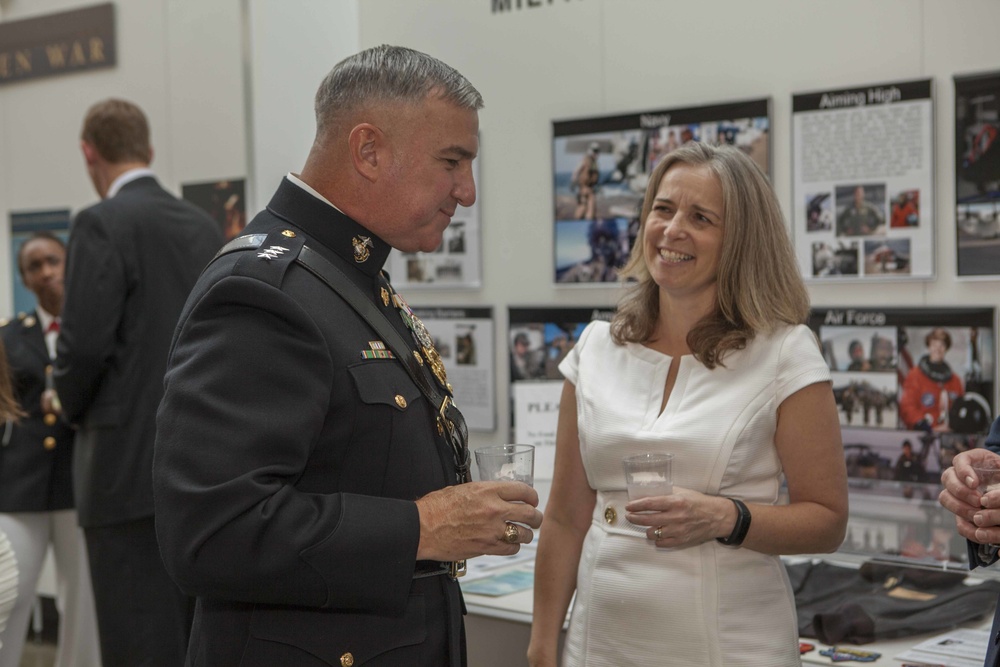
[(377, 350), (837, 654), (272, 252)]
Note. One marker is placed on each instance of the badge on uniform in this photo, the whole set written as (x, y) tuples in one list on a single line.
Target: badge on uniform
[(272, 252), (362, 246), (844, 654), (377, 350)]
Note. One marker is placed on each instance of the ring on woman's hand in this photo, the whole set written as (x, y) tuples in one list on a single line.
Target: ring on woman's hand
[(658, 533), (510, 534)]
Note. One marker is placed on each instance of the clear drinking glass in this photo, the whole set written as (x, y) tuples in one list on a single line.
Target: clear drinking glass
[(514, 463), (648, 474)]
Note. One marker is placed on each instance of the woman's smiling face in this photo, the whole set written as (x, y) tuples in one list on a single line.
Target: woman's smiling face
[(682, 243)]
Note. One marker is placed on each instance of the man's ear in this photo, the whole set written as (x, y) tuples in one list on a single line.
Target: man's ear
[(90, 154), (368, 150)]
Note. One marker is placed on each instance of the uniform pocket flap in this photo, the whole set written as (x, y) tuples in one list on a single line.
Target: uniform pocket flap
[(330, 635), (384, 382)]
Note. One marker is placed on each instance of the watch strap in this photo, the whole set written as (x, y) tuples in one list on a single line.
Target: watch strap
[(741, 528)]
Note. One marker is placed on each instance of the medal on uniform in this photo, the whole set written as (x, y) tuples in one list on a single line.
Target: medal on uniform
[(424, 341)]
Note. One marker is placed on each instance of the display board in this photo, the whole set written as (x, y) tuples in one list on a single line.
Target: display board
[(977, 174), (538, 340), (601, 167), (456, 263), (914, 387), (464, 339), (863, 189), (224, 200)]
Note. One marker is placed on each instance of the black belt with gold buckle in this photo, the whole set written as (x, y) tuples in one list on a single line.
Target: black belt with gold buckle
[(433, 568)]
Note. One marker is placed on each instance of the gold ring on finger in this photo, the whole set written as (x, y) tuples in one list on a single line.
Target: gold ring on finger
[(511, 534), (658, 533)]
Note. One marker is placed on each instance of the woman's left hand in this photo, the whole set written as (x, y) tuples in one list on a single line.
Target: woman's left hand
[(685, 518)]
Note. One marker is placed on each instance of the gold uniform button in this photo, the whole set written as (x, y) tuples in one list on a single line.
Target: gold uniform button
[(288, 234), (347, 660), (49, 443), (49, 419), (610, 515), (400, 401)]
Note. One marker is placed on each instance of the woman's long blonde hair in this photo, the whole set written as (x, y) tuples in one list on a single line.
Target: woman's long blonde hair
[(758, 286), (10, 409)]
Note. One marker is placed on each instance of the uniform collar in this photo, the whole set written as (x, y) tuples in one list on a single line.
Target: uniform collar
[(44, 317), (321, 220)]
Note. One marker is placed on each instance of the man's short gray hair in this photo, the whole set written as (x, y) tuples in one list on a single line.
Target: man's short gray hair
[(386, 74)]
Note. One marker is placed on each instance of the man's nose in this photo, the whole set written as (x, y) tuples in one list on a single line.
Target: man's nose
[(465, 186)]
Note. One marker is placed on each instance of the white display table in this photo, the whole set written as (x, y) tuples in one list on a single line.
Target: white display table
[(498, 630)]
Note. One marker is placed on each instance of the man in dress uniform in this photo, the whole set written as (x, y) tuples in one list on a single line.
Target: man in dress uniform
[(308, 447), (132, 260), (36, 456), (977, 516)]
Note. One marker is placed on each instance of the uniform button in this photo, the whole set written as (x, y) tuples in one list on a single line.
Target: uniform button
[(49, 419), (610, 515), (347, 660), (288, 234), (400, 401), (49, 443)]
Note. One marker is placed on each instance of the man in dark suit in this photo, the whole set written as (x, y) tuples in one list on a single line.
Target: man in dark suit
[(36, 455), (132, 260), (977, 515), (307, 447)]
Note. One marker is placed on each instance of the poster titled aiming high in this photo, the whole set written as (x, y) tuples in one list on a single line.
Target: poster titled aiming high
[(863, 196)]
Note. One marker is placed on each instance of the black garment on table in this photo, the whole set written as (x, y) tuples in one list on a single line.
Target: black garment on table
[(839, 604)]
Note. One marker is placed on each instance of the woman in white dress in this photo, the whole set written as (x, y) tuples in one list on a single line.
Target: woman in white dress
[(707, 358)]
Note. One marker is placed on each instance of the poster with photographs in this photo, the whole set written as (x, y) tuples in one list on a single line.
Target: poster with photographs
[(913, 387), (538, 340), (225, 201), (464, 339), (601, 167), (977, 174), (456, 263), (22, 225), (863, 182)]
